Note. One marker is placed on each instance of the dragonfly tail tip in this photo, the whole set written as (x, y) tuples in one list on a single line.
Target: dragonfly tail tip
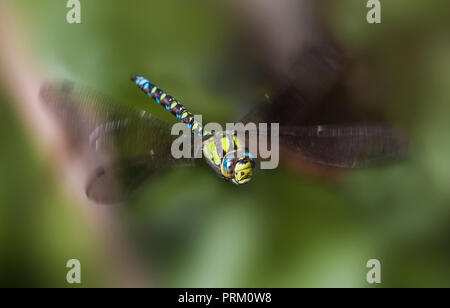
[(134, 78)]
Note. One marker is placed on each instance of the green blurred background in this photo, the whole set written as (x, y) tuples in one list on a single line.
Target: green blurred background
[(284, 229)]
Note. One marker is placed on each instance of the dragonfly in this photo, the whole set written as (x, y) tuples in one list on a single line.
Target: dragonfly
[(132, 146)]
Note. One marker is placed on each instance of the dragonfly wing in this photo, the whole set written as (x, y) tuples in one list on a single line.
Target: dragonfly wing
[(116, 181), (311, 75), (122, 146), (298, 56), (347, 146), (313, 79), (316, 77), (141, 150), (289, 43)]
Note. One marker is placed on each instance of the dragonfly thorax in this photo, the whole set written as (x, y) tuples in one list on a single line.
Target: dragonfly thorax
[(225, 153)]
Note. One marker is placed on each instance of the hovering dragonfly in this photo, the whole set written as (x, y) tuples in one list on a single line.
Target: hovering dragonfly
[(127, 146), (359, 144), (131, 145)]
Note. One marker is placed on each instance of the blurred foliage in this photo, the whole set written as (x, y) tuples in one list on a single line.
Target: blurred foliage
[(40, 230), (283, 230)]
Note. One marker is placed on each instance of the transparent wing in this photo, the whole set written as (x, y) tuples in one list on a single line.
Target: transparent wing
[(347, 146), (309, 72), (113, 182), (344, 146), (124, 146), (311, 75)]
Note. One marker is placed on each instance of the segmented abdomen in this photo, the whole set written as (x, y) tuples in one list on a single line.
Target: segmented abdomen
[(170, 103)]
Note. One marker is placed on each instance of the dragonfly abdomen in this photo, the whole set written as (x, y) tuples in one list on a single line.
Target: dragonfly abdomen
[(169, 103)]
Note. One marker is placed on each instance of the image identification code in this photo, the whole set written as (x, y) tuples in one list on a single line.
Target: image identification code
[(226, 297)]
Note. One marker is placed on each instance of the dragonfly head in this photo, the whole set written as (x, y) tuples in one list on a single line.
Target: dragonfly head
[(238, 169)]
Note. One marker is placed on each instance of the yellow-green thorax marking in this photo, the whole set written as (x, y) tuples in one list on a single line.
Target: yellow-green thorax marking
[(226, 154)]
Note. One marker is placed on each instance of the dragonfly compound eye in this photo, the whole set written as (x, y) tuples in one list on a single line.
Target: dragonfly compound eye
[(243, 171), (227, 167)]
